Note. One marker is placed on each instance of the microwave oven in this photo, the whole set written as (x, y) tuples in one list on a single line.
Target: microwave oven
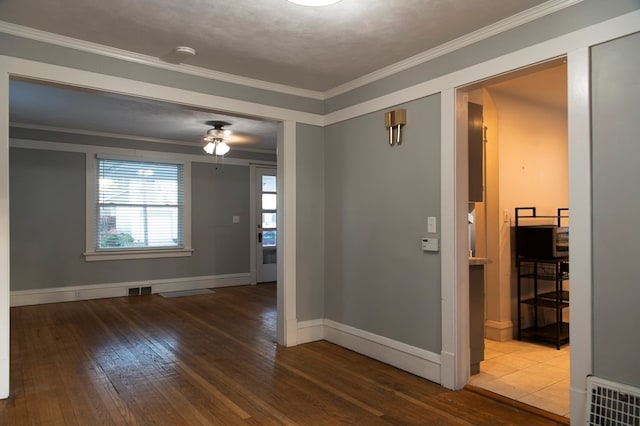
[(543, 241)]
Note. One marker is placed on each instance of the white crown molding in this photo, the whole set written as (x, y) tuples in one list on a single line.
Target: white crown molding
[(128, 137), (94, 150), (521, 18), (529, 15), (99, 49)]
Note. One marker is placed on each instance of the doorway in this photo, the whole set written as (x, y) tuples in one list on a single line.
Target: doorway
[(526, 164), (286, 143), (266, 220)]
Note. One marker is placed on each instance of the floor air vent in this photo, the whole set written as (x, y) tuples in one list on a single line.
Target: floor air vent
[(139, 291), (612, 404)]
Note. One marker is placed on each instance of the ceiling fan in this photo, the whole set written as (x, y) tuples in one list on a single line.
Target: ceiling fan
[(216, 138)]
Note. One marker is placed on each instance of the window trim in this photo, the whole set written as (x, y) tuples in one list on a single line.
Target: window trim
[(91, 253)]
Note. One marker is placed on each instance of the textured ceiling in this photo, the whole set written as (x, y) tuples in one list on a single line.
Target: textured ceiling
[(64, 108), (270, 40)]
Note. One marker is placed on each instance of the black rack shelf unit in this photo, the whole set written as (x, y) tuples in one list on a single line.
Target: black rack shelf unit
[(542, 272)]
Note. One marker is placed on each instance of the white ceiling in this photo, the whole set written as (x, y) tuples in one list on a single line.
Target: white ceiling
[(273, 41)]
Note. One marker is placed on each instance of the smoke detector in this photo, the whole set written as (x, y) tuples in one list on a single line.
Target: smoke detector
[(185, 51)]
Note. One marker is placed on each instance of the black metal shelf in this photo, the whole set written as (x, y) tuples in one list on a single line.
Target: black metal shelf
[(550, 332), (545, 277), (533, 273), (561, 295)]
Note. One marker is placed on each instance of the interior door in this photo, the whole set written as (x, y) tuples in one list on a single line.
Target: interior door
[(266, 246)]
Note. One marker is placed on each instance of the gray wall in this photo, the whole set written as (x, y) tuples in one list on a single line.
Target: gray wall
[(310, 222), (47, 202), (377, 199), (616, 209)]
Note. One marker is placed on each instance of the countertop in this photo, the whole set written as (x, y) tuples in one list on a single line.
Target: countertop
[(475, 261)]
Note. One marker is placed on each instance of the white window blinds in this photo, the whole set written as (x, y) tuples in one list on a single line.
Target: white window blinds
[(139, 205)]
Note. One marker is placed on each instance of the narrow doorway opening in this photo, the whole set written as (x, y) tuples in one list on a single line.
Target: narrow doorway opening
[(524, 163)]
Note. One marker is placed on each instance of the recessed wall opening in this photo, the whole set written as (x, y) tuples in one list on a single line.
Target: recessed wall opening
[(56, 130), (518, 157)]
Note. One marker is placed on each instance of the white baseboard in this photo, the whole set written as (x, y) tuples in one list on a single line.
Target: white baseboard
[(310, 331), (406, 357), (100, 291)]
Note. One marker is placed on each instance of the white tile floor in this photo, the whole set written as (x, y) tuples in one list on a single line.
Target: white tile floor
[(534, 374)]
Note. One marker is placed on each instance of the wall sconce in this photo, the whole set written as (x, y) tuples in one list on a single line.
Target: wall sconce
[(394, 120)]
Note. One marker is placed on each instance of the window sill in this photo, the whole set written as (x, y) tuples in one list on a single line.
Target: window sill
[(95, 256)]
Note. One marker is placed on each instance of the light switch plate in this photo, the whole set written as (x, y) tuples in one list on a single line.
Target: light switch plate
[(432, 224), (236, 219)]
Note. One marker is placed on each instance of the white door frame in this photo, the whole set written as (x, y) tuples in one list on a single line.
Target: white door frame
[(455, 272), (287, 119), (4, 234)]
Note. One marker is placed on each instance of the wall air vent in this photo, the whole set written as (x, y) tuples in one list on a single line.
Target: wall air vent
[(611, 403)]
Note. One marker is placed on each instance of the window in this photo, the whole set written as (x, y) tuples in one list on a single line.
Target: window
[(139, 209)]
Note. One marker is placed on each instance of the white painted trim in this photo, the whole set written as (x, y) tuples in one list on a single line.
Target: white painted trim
[(448, 232), (105, 290), (454, 254), (286, 182), (97, 256), (127, 137), (4, 232), (92, 150), (99, 49), (310, 331), (579, 129), (91, 80), (417, 361), (514, 21), (557, 47)]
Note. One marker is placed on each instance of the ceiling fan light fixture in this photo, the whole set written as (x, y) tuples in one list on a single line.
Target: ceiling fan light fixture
[(215, 138), (222, 148), (314, 2), (209, 148)]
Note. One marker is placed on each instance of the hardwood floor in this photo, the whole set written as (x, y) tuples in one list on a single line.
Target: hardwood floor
[(206, 360)]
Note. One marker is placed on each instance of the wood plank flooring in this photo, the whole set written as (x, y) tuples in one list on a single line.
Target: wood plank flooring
[(210, 360)]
